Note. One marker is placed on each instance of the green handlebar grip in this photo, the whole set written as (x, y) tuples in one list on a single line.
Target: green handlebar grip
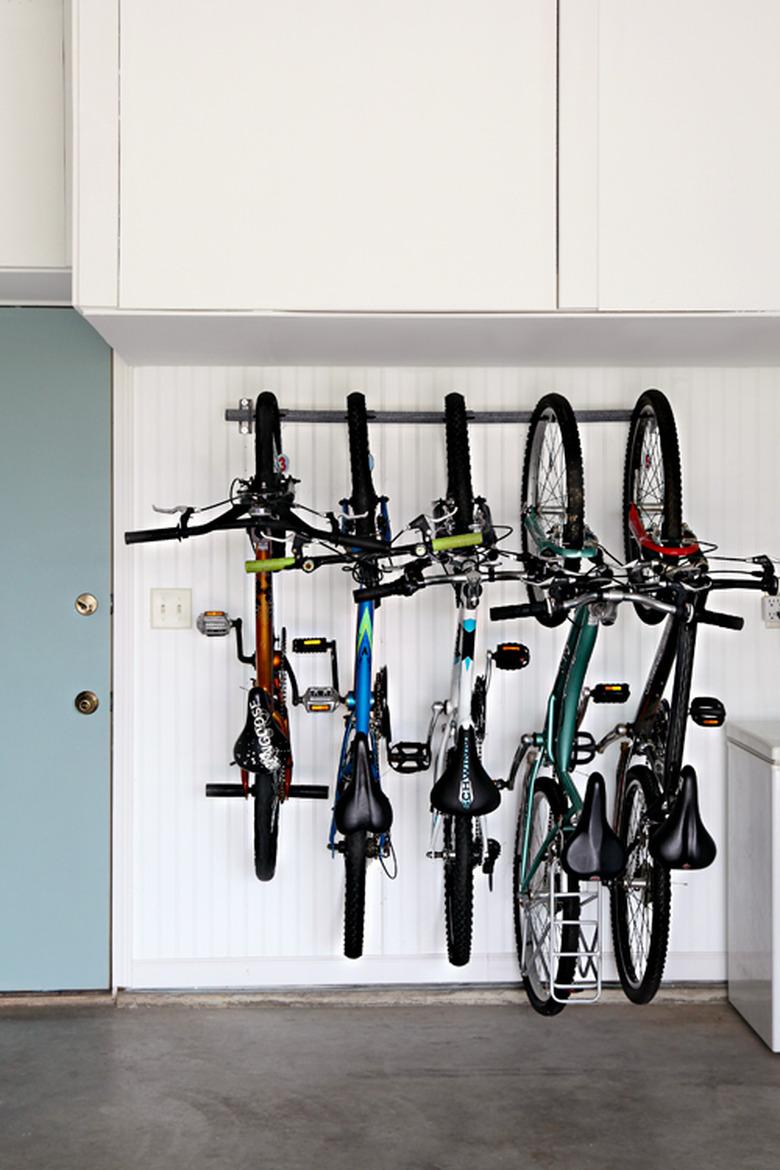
[(271, 565), (464, 540)]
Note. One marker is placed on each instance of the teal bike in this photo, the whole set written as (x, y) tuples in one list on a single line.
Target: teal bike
[(564, 844)]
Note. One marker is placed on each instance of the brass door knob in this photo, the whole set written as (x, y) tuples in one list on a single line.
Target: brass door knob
[(86, 604), (86, 702)]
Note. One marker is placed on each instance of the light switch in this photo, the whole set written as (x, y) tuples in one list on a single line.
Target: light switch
[(171, 609)]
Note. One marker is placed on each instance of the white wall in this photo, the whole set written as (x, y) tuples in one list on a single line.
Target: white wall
[(188, 908)]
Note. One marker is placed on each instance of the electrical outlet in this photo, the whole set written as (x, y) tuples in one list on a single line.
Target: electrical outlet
[(171, 609), (770, 612)]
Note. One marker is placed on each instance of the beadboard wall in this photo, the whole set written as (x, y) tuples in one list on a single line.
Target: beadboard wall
[(188, 910)]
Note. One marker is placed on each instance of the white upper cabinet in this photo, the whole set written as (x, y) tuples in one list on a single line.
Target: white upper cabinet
[(34, 237), (349, 156), (670, 155)]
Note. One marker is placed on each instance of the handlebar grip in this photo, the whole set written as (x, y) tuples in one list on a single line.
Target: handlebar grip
[(144, 535), (376, 592), (462, 540), (269, 565), (729, 621), (499, 613)]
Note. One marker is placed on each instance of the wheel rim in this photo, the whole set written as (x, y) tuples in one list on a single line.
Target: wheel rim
[(535, 906), (637, 887), (649, 482), (548, 488)]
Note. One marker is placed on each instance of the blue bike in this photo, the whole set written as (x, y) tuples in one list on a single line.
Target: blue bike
[(362, 814)]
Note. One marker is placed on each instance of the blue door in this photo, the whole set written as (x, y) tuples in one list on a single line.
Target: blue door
[(55, 485)]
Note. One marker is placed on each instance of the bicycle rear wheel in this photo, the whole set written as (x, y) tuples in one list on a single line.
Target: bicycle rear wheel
[(652, 481), (459, 490), (534, 924), (355, 857), (266, 825), (459, 887), (641, 901), (553, 484)]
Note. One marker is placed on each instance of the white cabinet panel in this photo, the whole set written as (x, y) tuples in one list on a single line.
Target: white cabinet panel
[(347, 156), (32, 120), (689, 155)]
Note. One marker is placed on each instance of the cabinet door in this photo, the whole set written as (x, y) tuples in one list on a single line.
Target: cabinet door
[(32, 132), (678, 110), (388, 155)]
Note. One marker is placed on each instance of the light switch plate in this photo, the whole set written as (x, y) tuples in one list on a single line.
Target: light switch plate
[(171, 609), (770, 610)]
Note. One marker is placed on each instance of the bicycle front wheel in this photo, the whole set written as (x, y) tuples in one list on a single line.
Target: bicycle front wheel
[(266, 825), (641, 900), (459, 490), (553, 484), (363, 499), (459, 887), (652, 481), (355, 856), (541, 935)]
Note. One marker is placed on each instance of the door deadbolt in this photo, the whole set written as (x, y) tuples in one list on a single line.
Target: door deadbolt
[(86, 604), (86, 702)]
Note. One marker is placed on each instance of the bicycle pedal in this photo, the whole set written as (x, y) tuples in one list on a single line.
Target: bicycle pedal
[(309, 791), (610, 693), (708, 712), (311, 645), (583, 750), (407, 756), (214, 623), (511, 656), (320, 700)]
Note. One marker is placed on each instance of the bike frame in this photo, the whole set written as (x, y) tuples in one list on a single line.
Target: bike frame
[(675, 652), (359, 702), (555, 743), (456, 712)]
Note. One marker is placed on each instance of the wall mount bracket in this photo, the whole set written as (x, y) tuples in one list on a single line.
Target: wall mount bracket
[(245, 413)]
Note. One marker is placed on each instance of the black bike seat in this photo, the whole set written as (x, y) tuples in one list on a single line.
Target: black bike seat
[(262, 746), (593, 850), (681, 841), (464, 786), (362, 804)]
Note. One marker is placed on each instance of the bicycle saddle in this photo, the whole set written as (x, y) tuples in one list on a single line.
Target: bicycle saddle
[(593, 850), (464, 786), (681, 841), (262, 746), (362, 804)]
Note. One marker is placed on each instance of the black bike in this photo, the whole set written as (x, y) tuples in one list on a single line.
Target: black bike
[(656, 805)]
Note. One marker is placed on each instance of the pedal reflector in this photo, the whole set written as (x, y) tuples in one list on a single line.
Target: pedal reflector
[(610, 693), (511, 656)]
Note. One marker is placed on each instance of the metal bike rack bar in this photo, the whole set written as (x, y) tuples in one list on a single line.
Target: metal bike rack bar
[(244, 416)]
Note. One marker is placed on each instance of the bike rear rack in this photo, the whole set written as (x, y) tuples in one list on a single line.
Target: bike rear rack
[(586, 986)]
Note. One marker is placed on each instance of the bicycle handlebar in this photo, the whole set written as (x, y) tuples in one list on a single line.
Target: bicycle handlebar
[(500, 613), (728, 621)]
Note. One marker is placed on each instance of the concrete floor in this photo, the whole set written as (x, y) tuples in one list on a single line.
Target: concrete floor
[(412, 1088)]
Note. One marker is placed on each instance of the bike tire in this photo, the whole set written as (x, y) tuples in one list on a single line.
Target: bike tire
[(459, 489), (566, 527), (363, 500), (652, 451), (266, 825), (355, 855), (655, 891), (268, 449), (545, 789), (459, 887)]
